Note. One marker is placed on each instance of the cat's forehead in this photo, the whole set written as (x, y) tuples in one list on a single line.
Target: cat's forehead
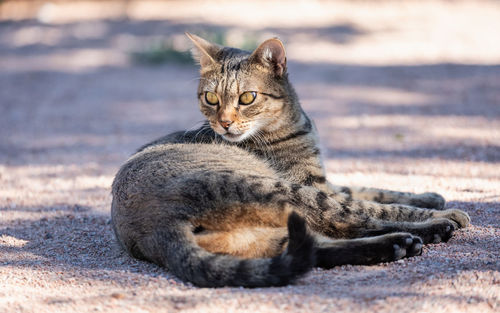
[(232, 73), (229, 55), (231, 62), (229, 79)]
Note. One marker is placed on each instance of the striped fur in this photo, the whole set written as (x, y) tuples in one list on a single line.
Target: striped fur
[(244, 201)]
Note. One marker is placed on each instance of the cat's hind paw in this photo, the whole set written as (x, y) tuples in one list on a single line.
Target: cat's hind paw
[(406, 245)]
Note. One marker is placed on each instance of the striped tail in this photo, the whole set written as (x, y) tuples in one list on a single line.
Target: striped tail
[(191, 263)]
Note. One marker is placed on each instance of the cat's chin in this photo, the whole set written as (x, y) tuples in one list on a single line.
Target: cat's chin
[(231, 137), (234, 137)]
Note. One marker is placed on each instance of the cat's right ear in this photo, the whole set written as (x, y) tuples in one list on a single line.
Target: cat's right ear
[(203, 52)]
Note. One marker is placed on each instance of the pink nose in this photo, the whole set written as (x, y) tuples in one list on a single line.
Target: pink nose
[(225, 124)]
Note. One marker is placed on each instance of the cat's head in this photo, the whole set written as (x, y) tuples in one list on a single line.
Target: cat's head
[(241, 93)]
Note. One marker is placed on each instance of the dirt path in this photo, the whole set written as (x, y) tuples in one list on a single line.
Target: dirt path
[(419, 111)]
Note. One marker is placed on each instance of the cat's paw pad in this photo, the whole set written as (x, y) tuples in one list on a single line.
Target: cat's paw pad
[(437, 239), (460, 218), (406, 246), (430, 200)]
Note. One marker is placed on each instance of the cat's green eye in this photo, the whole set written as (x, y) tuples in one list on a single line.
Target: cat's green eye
[(211, 98), (248, 97)]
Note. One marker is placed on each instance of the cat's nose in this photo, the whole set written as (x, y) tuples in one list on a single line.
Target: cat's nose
[(225, 124)]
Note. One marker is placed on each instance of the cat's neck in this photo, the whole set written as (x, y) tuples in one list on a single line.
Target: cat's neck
[(293, 126)]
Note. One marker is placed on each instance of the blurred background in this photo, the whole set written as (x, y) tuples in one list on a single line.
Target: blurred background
[(395, 87), (405, 95)]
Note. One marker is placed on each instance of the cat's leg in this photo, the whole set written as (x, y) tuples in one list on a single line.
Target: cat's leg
[(432, 226), (266, 242), (431, 231), (339, 216), (429, 200), (371, 250)]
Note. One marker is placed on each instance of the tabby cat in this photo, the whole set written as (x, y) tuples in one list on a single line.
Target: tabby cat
[(243, 201)]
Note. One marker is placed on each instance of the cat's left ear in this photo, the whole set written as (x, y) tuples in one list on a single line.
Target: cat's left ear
[(204, 51), (271, 53)]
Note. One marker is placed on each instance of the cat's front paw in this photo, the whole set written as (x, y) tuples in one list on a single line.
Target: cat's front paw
[(460, 218), (429, 200)]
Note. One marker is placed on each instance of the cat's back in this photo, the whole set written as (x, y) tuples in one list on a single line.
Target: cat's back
[(169, 162)]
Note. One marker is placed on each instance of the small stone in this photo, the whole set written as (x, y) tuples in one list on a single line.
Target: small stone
[(117, 295)]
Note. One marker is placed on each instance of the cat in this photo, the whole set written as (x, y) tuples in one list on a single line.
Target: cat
[(244, 201)]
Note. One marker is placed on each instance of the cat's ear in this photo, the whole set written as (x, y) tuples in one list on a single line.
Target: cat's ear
[(204, 52), (271, 53)]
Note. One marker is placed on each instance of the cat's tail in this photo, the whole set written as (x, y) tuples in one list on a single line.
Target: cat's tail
[(189, 262)]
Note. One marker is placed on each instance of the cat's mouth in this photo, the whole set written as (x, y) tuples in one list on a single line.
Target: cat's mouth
[(234, 134)]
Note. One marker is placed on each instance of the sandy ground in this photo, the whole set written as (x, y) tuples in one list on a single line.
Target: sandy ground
[(405, 97)]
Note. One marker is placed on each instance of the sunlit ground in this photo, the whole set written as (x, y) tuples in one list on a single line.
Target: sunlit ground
[(371, 32), (406, 95)]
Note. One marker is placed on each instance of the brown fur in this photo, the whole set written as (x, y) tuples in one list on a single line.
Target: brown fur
[(245, 242), (244, 200)]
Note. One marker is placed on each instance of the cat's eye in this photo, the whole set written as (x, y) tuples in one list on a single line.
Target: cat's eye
[(211, 98), (248, 97)]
